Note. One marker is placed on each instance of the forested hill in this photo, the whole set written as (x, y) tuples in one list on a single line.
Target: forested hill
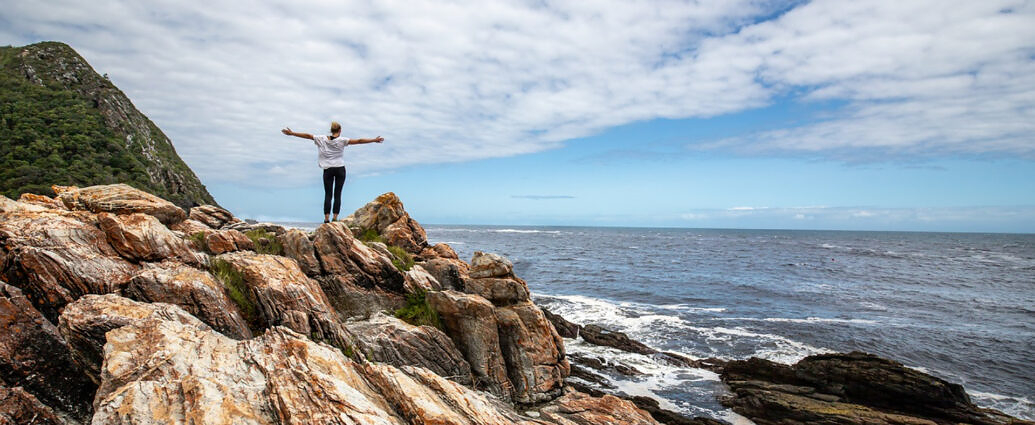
[(62, 123)]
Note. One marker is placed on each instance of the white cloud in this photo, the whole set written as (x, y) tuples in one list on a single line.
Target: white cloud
[(459, 81)]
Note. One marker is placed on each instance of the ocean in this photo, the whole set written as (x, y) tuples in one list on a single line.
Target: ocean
[(958, 306)]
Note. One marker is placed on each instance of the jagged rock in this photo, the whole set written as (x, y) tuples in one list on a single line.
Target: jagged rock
[(190, 227), (576, 408), (597, 335), (564, 328), (141, 237), (165, 372), (194, 290), (85, 322), (352, 261), (419, 279), (439, 250), (245, 226), (853, 388), (532, 351), (384, 338), (450, 273), (501, 292), (34, 356), (284, 296), (470, 321), (355, 302), (8, 205), (56, 256), (41, 200), (386, 215), (490, 265), (297, 246), (212, 216), (18, 407), (119, 199), (223, 241)]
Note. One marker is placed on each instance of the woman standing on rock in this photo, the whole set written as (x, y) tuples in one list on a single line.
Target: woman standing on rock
[(330, 159)]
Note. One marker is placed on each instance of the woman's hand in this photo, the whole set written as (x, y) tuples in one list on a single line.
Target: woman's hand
[(379, 139), (287, 131)]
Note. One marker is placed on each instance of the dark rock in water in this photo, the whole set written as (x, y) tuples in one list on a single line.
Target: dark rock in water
[(667, 416), (852, 388), (33, 355), (564, 328), (19, 407), (597, 335)]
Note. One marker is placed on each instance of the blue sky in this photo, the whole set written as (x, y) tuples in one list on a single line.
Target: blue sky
[(872, 115)]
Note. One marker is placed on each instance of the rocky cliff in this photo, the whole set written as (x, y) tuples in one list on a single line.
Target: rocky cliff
[(118, 307), (61, 122)]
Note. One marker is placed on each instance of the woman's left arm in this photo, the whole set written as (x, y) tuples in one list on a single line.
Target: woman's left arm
[(377, 139)]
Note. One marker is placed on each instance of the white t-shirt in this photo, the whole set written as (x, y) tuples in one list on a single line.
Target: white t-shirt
[(330, 150)]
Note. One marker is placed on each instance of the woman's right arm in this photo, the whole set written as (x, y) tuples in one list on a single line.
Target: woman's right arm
[(288, 132)]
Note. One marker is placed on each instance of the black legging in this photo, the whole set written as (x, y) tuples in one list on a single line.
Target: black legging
[(334, 176)]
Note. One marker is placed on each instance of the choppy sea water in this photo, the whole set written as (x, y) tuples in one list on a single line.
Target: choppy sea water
[(958, 306)]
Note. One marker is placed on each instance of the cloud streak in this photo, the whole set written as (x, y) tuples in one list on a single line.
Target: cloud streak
[(450, 82)]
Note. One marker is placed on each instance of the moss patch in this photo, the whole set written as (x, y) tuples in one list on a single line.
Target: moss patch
[(369, 235), (418, 312), (198, 240), (265, 242), (403, 260), (238, 291)]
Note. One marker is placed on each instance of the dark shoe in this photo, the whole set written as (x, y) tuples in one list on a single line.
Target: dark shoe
[(325, 221)]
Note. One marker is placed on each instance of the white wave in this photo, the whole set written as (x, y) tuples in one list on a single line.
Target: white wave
[(873, 306), (551, 232), (1021, 407)]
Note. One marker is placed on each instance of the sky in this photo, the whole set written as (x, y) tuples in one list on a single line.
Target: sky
[(862, 115)]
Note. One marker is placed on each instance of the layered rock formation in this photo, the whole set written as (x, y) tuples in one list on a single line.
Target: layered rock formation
[(156, 324)]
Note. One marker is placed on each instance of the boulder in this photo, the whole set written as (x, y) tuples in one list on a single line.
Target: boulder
[(853, 388), (597, 335), (470, 321), (212, 216), (386, 215), (8, 205), (532, 352), (56, 256), (119, 199), (342, 255), (18, 407), (450, 273), (353, 301), (501, 292), (194, 290), (190, 227), (385, 339), (85, 322), (284, 296), (299, 247), (418, 279), (141, 237), (169, 373), (439, 250), (223, 241), (34, 356), (490, 265), (41, 200), (576, 408)]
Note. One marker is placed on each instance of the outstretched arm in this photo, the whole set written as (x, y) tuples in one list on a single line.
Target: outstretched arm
[(377, 139), (288, 132)]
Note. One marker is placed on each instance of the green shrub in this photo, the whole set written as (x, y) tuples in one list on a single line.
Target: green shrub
[(418, 312), (403, 260), (198, 240), (370, 235), (265, 242), (238, 291)]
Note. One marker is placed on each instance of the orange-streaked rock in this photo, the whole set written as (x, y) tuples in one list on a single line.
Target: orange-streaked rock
[(141, 237), (119, 199), (386, 215)]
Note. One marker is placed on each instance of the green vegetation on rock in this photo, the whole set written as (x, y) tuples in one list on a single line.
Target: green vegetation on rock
[(402, 259), (265, 242), (198, 240), (61, 123), (418, 312), (238, 291)]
